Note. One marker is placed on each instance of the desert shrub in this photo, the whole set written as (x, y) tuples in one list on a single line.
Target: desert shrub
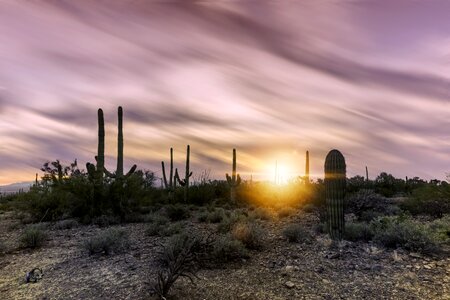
[(109, 241), (162, 230), (216, 216), (226, 248), (308, 208), (33, 237), (286, 212), (433, 200), (202, 217), (158, 219), (393, 232), (367, 205), (178, 258), (106, 220), (227, 223), (359, 231), (441, 229), (320, 228), (249, 233), (261, 214), (177, 212), (66, 224), (296, 233)]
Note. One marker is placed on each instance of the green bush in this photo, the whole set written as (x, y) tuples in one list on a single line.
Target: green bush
[(177, 212), (202, 217), (358, 232), (66, 224), (106, 220), (433, 200), (227, 223), (226, 248), (367, 205), (216, 216), (296, 233), (33, 237), (441, 229), (156, 229), (249, 233), (286, 212), (393, 232), (109, 241), (261, 213)]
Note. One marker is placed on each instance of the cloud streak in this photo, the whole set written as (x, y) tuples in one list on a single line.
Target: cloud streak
[(272, 79)]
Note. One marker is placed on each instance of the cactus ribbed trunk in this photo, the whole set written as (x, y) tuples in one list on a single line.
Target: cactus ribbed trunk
[(233, 181), (186, 186), (335, 181), (367, 174), (119, 171), (307, 168), (101, 144), (171, 184)]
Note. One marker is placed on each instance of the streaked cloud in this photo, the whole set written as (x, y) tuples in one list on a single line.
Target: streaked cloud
[(271, 78)]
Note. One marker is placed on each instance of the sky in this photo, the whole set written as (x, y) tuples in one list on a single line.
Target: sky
[(269, 78)]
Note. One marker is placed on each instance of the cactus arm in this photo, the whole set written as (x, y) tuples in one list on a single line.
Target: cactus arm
[(238, 181), (109, 174), (131, 171), (164, 175)]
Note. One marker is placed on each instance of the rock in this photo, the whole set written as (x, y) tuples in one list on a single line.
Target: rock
[(326, 281), (289, 284), (332, 255), (289, 269), (376, 268), (415, 255)]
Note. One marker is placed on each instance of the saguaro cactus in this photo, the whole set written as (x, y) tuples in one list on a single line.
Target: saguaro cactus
[(185, 182), (307, 168), (171, 184), (367, 174), (335, 181), (233, 181), (96, 172), (119, 169)]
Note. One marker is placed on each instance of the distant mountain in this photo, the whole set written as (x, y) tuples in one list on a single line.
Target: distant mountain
[(15, 187)]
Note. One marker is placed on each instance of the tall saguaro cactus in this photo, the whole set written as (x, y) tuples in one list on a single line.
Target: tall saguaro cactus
[(185, 182), (119, 169), (367, 174), (96, 172), (335, 180), (171, 184), (233, 181), (307, 168)]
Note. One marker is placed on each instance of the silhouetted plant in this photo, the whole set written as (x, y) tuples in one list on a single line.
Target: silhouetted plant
[(335, 192), (234, 180)]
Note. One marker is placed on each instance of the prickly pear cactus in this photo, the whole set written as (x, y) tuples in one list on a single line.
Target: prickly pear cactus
[(335, 180)]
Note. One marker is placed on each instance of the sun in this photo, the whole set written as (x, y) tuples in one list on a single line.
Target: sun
[(280, 173)]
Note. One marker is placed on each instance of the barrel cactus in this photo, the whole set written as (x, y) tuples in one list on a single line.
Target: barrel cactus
[(335, 181)]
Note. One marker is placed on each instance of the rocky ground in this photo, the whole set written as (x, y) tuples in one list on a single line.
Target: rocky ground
[(281, 270)]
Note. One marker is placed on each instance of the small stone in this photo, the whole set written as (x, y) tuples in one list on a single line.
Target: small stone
[(376, 268), (289, 284), (415, 255), (289, 269), (428, 267), (326, 281)]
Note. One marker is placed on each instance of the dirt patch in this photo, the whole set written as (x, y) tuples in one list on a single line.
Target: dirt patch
[(280, 271)]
